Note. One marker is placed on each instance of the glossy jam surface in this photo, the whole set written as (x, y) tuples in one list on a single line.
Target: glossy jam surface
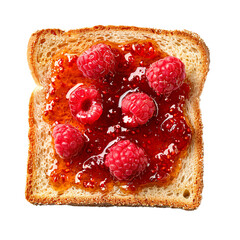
[(164, 138)]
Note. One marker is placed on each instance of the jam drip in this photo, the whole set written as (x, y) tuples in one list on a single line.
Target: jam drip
[(164, 138)]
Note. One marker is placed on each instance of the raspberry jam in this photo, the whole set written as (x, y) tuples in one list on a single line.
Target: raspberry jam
[(164, 138)]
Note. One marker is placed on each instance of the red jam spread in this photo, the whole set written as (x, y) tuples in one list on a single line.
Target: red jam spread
[(164, 138)]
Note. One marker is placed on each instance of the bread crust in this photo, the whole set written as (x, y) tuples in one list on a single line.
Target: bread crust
[(108, 200)]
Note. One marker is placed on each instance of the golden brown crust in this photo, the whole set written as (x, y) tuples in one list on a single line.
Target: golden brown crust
[(33, 41), (31, 150), (112, 201), (199, 146), (106, 200)]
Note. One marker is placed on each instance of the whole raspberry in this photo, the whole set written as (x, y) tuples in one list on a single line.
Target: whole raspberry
[(97, 61), (166, 75), (85, 104), (68, 141), (137, 109), (126, 160)]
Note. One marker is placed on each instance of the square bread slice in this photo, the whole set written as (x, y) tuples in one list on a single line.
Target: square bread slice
[(186, 189)]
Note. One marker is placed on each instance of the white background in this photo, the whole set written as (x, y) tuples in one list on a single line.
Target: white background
[(217, 22)]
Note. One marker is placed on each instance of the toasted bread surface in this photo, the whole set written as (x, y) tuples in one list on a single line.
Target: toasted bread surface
[(185, 190)]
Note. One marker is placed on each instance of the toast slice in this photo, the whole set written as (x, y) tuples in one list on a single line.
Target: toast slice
[(185, 190)]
